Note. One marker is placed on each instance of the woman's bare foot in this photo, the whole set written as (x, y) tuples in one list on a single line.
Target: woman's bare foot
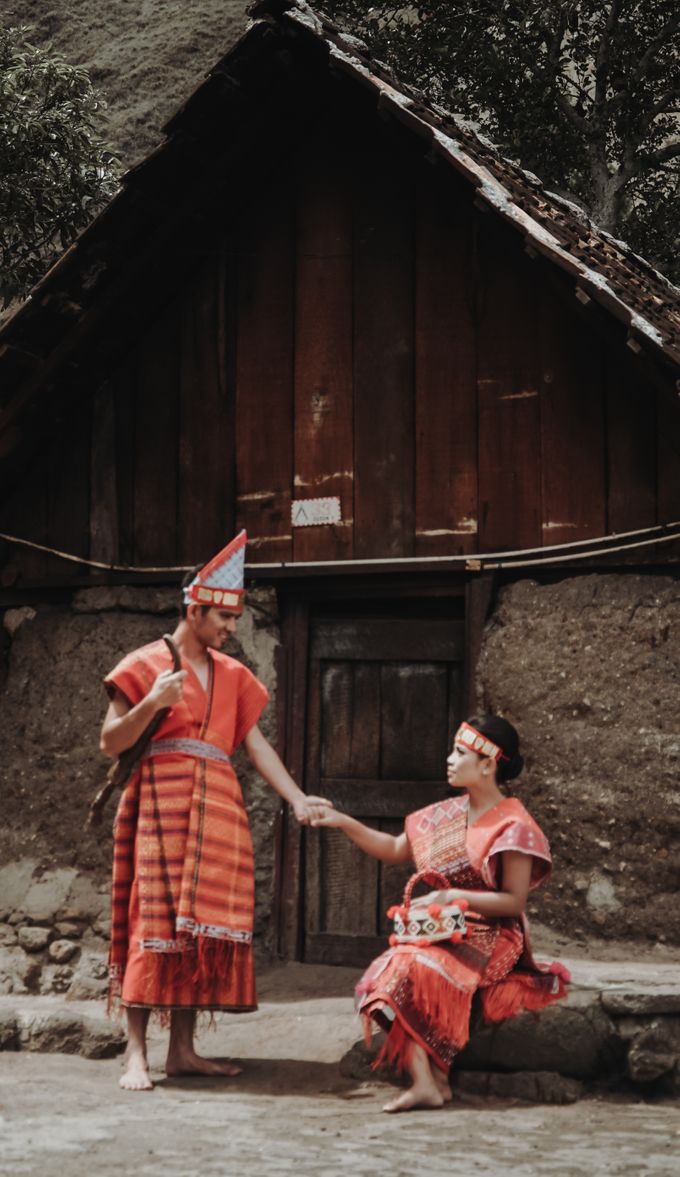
[(136, 1075), (442, 1083), (187, 1062), (416, 1097)]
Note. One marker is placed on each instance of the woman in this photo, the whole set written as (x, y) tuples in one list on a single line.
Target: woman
[(492, 853)]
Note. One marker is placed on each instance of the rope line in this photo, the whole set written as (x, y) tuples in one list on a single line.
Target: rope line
[(661, 534)]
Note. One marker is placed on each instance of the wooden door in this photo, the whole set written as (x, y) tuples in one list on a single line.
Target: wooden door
[(384, 695)]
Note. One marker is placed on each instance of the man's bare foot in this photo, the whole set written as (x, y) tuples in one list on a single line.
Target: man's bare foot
[(136, 1075), (416, 1097), (190, 1063)]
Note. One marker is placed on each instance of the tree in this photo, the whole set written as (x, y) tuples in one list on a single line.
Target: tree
[(55, 169), (586, 93)]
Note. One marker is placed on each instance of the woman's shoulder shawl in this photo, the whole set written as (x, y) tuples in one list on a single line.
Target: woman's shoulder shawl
[(135, 674), (508, 826), (250, 694), (422, 822)]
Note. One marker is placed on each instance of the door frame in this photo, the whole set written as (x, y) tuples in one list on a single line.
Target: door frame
[(296, 601)]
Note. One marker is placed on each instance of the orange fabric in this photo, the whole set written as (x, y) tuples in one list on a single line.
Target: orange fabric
[(424, 994), (183, 877)]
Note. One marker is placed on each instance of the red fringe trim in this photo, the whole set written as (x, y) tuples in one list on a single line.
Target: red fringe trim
[(439, 1005), (206, 963), (517, 993), (397, 1049)]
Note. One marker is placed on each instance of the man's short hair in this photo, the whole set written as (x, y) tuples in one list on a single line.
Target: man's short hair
[(186, 581)]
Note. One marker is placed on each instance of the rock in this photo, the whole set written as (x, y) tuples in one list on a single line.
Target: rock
[(16, 918), (62, 950), (47, 894), (66, 1032), (68, 930), (601, 897), (530, 1086), (8, 934), (125, 598), (9, 1031), (103, 927), (19, 973), (15, 880), (581, 1043), (34, 939), (655, 1053), (56, 978), (84, 901), (90, 978), (642, 1001), (13, 619)]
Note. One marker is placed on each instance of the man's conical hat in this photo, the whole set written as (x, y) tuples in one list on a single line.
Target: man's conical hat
[(220, 582)]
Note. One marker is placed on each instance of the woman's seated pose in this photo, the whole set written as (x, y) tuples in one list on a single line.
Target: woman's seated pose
[(492, 854)]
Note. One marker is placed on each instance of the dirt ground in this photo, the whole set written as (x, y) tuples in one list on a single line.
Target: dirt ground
[(293, 1112)]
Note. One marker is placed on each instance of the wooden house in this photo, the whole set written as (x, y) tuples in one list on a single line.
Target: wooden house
[(331, 314)]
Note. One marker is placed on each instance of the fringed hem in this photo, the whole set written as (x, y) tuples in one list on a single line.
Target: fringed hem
[(208, 975), (520, 992), (396, 1051), (441, 1011)]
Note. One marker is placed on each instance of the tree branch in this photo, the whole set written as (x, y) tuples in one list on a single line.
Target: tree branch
[(602, 57), (655, 44), (656, 158)]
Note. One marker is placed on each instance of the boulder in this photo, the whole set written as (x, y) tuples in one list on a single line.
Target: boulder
[(581, 1043), (47, 895), (8, 934), (9, 1031), (90, 978), (56, 978), (84, 901), (69, 931), (33, 939), (640, 1002), (15, 880), (19, 973), (61, 951), (654, 1056), (66, 1032), (529, 1086)]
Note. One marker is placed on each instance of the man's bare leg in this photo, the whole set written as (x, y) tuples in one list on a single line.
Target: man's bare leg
[(136, 1075), (425, 1092), (182, 1058)]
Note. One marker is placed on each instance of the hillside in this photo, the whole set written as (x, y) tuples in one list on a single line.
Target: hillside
[(145, 56)]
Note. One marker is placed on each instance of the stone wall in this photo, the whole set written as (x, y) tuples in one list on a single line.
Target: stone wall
[(54, 875), (589, 671)]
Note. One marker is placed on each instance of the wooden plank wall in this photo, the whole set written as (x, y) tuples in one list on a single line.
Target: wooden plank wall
[(362, 330)]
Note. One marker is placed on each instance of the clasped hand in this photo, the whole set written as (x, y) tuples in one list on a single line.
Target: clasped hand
[(310, 809)]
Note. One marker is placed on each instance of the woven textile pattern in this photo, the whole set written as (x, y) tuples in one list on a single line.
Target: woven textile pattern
[(183, 889), (424, 994)]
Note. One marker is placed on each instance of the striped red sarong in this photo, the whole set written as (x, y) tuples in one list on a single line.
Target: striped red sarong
[(424, 994), (183, 877)]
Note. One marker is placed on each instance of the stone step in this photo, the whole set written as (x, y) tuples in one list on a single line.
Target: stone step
[(54, 1026)]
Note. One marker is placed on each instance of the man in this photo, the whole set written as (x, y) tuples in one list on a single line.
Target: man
[(183, 880)]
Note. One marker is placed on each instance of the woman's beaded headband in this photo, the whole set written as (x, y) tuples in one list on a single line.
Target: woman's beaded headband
[(477, 742)]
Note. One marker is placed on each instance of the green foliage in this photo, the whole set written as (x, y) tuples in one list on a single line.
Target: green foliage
[(586, 93), (55, 169)]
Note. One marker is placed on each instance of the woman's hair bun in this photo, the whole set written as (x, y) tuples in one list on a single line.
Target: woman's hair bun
[(501, 731)]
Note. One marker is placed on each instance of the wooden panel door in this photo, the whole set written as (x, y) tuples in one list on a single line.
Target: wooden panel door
[(384, 694)]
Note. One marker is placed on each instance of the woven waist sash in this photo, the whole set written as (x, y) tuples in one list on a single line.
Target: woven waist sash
[(184, 747)]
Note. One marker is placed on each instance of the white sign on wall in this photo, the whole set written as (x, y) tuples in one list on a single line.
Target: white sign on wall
[(311, 512)]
